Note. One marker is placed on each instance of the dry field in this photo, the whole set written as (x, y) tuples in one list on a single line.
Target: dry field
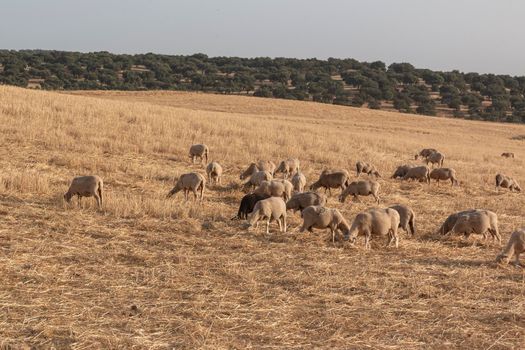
[(147, 272)]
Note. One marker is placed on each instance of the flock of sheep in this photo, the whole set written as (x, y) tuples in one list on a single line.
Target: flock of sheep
[(271, 198)]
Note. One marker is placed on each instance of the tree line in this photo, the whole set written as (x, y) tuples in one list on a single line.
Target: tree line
[(375, 85)]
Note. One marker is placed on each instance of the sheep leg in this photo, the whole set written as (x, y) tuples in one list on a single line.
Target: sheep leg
[(367, 240), (99, 202), (268, 226), (194, 194), (284, 223), (396, 237), (280, 225), (356, 198), (517, 260)]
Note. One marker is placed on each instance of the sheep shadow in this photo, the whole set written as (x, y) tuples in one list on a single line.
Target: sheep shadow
[(452, 263), (221, 188), (458, 241)]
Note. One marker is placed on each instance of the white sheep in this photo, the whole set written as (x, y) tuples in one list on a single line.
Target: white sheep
[(380, 222), (85, 186), (270, 209), (214, 172), (322, 218), (189, 182), (514, 247), (288, 167), (299, 182), (200, 151)]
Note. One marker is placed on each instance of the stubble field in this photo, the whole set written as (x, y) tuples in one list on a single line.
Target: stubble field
[(147, 272)]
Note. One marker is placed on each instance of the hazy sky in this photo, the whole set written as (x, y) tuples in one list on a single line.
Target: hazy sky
[(469, 35)]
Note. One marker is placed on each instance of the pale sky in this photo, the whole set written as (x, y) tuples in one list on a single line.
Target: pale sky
[(469, 35)]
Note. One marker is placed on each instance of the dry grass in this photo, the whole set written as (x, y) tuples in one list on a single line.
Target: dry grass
[(147, 272)]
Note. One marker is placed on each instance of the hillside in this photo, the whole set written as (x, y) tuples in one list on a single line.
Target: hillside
[(398, 87), (148, 272)]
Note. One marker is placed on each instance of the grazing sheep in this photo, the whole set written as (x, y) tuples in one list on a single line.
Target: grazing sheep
[(266, 165), (247, 204), (327, 180), (401, 171), (425, 152), (288, 188), (444, 174), (514, 247), (449, 223), (407, 218), (262, 165), (435, 158), (505, 181), (214, 171), (300, 201), (199, 151), (272, 188), (189, 182), (421, 173), (269, 209), (256, 179), (85, 186), (479, 222), (361, 188), (380, 222), (366, 168), (288, 167), (331, 171), (299, 182), (507, 155), (322, 218)]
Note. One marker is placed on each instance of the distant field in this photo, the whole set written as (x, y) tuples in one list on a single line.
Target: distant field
[(147, 272)]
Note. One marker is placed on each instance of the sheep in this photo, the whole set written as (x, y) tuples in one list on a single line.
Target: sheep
[(266, 165), (361, 188), (444, 174), (256, 179), (199, 151), (214, 172), (276, 188), (85, 186), (435, 158), (300, 201), (421, 173), (401, 171), (247, 204), (381, 222), (288, 167), (299, 182), (269, 209), (450, 221), (189, 182), (262, 165), (366, 168), (288, 188), (479, 222), (331, 171), (317, 216), (505, 181), (425, 152), (407, 218), (327, 180), (507, 155), (514, 247)]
